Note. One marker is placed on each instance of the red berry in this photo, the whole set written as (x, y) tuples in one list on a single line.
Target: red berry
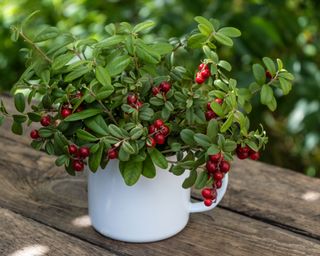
[(199, 78), (152, 129), (254, 155), (155, 91), (205, 73), (207, 202), (219, 101), (34, 134), (151, 143), (158, 123), (218, 176), (165, 87), (211, 167), (78, 95), (84, 152), (45, 120), (209, 106), (244, 149), (72, 149), (165, 130), (138, 104), (112, 153), (132, 99), (66, 112), (160, 138), (210, 115), (242, 155), (207, 193), (224, 166), (216, 157), (202, 66), (77, 165), (218, 183), (268, 75)]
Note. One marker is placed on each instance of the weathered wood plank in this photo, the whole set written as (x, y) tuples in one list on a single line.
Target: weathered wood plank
[(58, 200), (21, 236)]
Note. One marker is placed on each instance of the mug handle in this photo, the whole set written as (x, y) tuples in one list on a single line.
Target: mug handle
[(200, 207)]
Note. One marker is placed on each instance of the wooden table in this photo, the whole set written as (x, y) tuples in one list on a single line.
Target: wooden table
[(266, 211)]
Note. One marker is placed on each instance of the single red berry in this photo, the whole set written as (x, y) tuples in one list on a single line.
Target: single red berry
[(72, 149), (242, 155), (218, 176), (151, 142), (218, 183), (209, 106), (165, 87), (216, 158), (205, 73), (160, 138), (158, 123), (112, 153), (65, 112), (254, 155), (152, 129), (132, 99), (210, 115), (77, 165), (219, 101), (138, 104), (211, 167), (207, 193), (243, 150), (207, 202), (155, 91), (199, 78), (34, 134), (224, 166), (268, 75), (84, 152), (202, 66), (45, 120), (165, 130)]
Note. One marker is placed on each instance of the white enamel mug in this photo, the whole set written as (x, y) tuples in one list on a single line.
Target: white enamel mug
[(150, 210)]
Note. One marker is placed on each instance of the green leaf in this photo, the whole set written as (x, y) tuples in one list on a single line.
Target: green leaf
[(169, 106), (269, 65), (95, 158), (16, 128), (86, 136), (136, 133), (285, 85), (76, 73), (212, 129), (61, 160), (104, 92), (123, 155), (259, 73), (216, 107), (188, 182), (202, 140), (161, 48), (45, 132), (118, 64), (149, 169), (224, 64), (252, 145), (205, 22), (280, 64), (187, 136), (46, 34), (19, 102), (272, 105), (97, 124), (62, 60), (60, 142), (196, 40), (175, 146), (204, 30), (37, 144), (286, 75), (83, 114), (45, 76), (103, 76), (128, 148), (19, 118), (201, 180), (49, 148), (1, 120), (147, 54), (213, 149), (230, 32), (266, 94), (222, 39), (116, 131), (110, 42), (146, 114), (144, 26), (226, 125), (229, 146), (158, 158), (131, 171)]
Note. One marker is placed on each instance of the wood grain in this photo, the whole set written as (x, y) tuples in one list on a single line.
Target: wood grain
[(22, 236)]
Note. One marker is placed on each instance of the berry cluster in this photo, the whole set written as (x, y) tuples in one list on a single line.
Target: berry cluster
[(158, 132), (163, 88), (78, 154), (67, 110), (216, 167), (133, 101), (210, 114), (203, 74), (245, 152)]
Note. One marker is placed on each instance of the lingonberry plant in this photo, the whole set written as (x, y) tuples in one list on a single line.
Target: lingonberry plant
[(127, 98)]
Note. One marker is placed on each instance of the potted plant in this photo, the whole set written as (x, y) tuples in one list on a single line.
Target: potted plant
[(146, 126)]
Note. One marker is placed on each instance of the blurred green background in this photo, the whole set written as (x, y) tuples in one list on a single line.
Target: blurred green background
[(288, 29)]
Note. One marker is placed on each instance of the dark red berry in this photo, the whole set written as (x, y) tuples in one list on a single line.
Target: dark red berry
[(209, 106), (224, 166), (155, 91), (242, 155), (218, 176), (205, 73), (132, 99), (210, 115), (77, 165), (216, 157), (254, 155), (211, 167), (84, 152), (45, 120), (268, 75), (244, 149), (112, 153), (199, 78), (158, 123), (165, 130), (138, 104), (165, 87), (160, 138), (78, 95), (218, 183), (219, 101), (151, 142), (207, 202), (34, 134), (207, 193), (202, 66), (66, 112), (152, 129), (72, 149)]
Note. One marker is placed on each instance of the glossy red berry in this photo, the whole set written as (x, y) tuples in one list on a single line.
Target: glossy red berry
[(65, 112), (211, 167), (224, 166), (219, 101), (218, 176), (45, 120), (112, 153), (216, 158), (202, 66), (242, 155), (151, 142), (158, 123), (207, 202), (206, 193), (199, 78), (152, 129), (209, 106), (155, 91), (210, 115), (34, 134), (244, 149), (72, 149), (165, 130), (84, 152), (165, 87), (218, 183), (132, 99), (77, 165), (160, 138), (254, 155), (205, 73)]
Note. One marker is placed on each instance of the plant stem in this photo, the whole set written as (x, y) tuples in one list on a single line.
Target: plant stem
[(169, 150)]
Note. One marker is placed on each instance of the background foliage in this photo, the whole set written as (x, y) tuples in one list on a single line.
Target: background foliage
[(288, 29)]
